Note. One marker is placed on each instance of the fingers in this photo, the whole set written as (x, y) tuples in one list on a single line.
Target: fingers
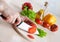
[(6, 17), (10, 16), (11, 19), (18, 20)]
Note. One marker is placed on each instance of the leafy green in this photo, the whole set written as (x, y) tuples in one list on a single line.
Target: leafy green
[(29, 13), (42, 33)]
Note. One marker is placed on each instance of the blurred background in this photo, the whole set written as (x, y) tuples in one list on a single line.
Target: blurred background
[(53, 5)]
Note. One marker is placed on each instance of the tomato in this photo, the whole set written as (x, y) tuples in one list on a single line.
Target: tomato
[(27, 4), (46, 25), (32, 30), (38, 21), (54, 28)]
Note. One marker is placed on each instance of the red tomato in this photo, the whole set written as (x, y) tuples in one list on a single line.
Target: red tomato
[(32, 30), (38, 21), (28, 5), (46, 25)]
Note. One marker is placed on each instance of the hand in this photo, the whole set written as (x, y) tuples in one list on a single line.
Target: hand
[(11, 16)]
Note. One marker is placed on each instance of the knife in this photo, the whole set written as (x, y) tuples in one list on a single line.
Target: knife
[(25, 27)]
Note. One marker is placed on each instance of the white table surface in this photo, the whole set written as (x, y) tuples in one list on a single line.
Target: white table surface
[(7, 33)]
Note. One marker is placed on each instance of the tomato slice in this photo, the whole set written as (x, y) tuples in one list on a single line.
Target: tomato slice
[(30, 36), (32, 30)]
